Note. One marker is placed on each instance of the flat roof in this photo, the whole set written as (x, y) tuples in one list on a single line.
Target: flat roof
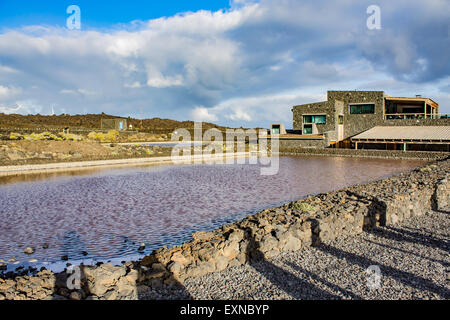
[(406, 133), (306, 104), (295, 136)]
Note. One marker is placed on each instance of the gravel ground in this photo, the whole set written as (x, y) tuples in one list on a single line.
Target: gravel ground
[(413, 258)]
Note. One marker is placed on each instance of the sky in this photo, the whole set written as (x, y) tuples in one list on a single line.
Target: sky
[(235, 63)]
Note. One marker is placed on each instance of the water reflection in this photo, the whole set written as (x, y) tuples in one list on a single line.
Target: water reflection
[(109, 213), (73, 246), (29, 177)]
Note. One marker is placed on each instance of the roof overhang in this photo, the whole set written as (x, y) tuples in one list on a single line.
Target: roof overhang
[(417, 99), (417, 134)]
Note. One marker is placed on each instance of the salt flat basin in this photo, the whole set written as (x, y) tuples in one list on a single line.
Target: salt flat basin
[(105, 214)]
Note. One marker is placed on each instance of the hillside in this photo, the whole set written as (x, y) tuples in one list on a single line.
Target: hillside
[(92, 121)]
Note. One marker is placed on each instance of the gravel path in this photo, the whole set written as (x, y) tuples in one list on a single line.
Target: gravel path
[(413, 258)]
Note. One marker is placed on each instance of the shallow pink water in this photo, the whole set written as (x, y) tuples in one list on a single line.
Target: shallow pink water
[(108, 213)]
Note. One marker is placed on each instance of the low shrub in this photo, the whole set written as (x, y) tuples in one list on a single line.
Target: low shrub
[(35, 137), (111, 136), (305, 207), (133, 138), (15, 136), (92, 135), (70, 136)]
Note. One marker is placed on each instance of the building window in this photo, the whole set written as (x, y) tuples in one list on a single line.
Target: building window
[(362, 108), (340, 119), (307, 129), (318, 119)]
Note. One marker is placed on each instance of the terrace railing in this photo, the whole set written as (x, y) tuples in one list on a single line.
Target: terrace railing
[(440, 116), (391, 116)]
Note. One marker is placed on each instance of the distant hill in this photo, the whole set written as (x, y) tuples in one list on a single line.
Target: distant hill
[(93, 121)]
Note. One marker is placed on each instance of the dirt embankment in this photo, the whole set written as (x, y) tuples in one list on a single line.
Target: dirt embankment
[(85, 148), (37, 152)]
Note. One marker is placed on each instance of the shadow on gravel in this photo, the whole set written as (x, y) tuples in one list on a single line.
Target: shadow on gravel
[(444, 263), (325, 282), (407, 278), (297, 288), (403, 235)]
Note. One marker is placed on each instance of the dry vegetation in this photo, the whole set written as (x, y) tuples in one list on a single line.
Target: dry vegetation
[(93, 121)]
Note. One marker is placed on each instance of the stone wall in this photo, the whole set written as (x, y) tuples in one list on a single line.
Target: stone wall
[(294, 149), (441, 199), (314, 109), (331, 109), (416, 122), (295, 225), (303, 143), (338, 103), (357, 123)]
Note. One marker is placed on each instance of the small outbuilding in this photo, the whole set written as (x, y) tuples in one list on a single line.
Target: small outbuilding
[(118, 124)]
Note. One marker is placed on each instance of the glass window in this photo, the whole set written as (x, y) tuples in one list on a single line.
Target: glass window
[(362, 108), (307, 128), (320, 119)]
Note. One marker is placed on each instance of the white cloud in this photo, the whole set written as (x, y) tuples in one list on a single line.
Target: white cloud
[(23, 107), (266, 108), (239, 115), (81, 91), (249, 64), (9, 110), (6, 69), (205, 23), (67, 91), (86, 92), (8, 92), (133, 85), (164, 82), (157, 80), (203, 114)]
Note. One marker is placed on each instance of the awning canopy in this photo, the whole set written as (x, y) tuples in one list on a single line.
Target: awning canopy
[(417, 99)]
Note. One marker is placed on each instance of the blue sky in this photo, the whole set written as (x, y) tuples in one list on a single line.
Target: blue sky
[(97, 13), (235, 63)]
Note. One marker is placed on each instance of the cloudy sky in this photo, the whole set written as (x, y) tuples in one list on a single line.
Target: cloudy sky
[(239, 63)]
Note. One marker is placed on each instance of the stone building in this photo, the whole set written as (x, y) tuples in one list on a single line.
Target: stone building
[(346, 115), (118, 124), (277, 128)]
